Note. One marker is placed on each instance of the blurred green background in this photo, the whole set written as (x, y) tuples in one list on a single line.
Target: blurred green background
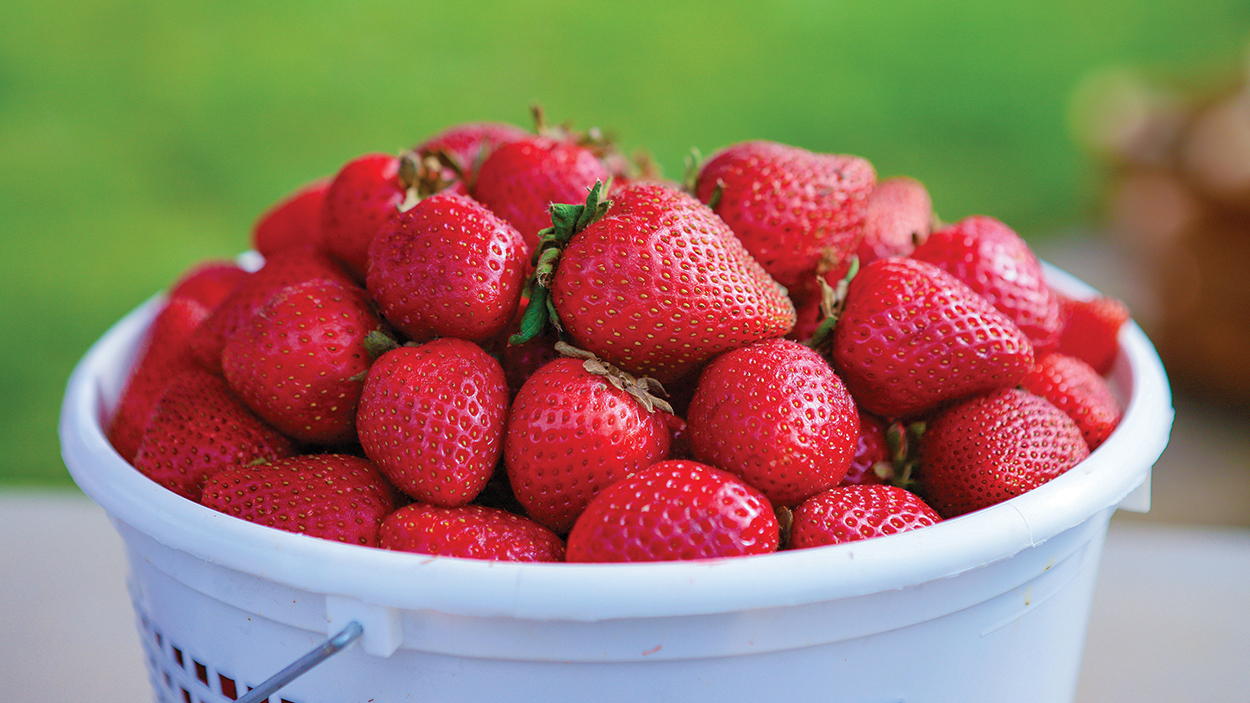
[(137, 138)]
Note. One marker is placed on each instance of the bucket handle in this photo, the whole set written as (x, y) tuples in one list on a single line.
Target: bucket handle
[(301, 666)]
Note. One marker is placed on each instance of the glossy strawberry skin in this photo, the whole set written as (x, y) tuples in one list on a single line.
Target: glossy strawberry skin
[(871, 450), (469, 144), (994, 261), (775, 414), (209, 282), (852, 513), (300, 361), (198, 428), (284, 268), (164, 354), (1076, 388), (795, 210), (521, 178), (365, 193), (569, 434), (993, 447), (913, 337), (337, 497), (447, 267), (898, 217), (674, 510), (469, 532), (658, 290), (293, 221), (1091, 328), (432, 418)]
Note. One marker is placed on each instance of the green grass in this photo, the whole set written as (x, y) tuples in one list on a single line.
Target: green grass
[(137, 138)]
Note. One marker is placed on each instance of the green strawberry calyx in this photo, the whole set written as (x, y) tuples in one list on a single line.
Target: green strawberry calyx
[(644, 389), (567, 219), (833, 301), (903, 443)]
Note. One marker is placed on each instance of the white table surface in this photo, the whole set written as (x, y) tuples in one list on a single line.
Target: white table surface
[(1170, 623)]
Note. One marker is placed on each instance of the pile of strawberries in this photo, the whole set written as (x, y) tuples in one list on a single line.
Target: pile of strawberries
[(504, 344)]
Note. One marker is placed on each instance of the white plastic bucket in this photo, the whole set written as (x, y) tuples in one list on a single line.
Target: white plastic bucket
[(991, 606)]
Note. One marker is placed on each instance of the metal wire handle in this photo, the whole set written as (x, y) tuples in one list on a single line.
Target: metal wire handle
[(301, 666)]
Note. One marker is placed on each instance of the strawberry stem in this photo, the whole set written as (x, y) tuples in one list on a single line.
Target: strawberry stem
[(833, 300), (644, 389), (694, 163), (567, 219)]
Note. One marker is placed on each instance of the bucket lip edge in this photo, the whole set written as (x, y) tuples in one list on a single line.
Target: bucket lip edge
[(491, 589)]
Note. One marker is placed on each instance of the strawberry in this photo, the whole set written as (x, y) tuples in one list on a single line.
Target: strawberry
[(798, 212), (465, 147), (1091, 328), (293, 221), (571, 432), (521, 178), (300, 361), (873, 457), (674, 510), (366, 192), (331, 496), (658, 289), (775, 414), (995, 262), (469, 532), (447, 267), (912, 337), (993, 447), (284, 268), (164, 354), (851, 513), (209, 282), (432, 418), (198, 428), (1076, 388), (897, 219)]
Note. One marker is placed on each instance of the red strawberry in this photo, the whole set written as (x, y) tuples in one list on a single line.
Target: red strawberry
[(331, 496), (674, 510), (1076, 388), (164, 354), (447, 267), (209, 282), (1091, 329), (872, 453), (912, 337), (898, 217), (520, 179), (300, 361), (851, 513), (995, 262), (571, 432), (284, 268), (799, 213), (469, 532), (366, 192), (657, 290), (466, 146), (775, 414), (432, 418), (293, 221), (993, 447), (198, 428)]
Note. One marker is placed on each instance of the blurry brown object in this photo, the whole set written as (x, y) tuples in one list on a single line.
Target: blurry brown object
[(1178, 202)]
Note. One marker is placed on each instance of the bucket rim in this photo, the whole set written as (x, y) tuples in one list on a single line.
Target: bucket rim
[(591, 592)]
